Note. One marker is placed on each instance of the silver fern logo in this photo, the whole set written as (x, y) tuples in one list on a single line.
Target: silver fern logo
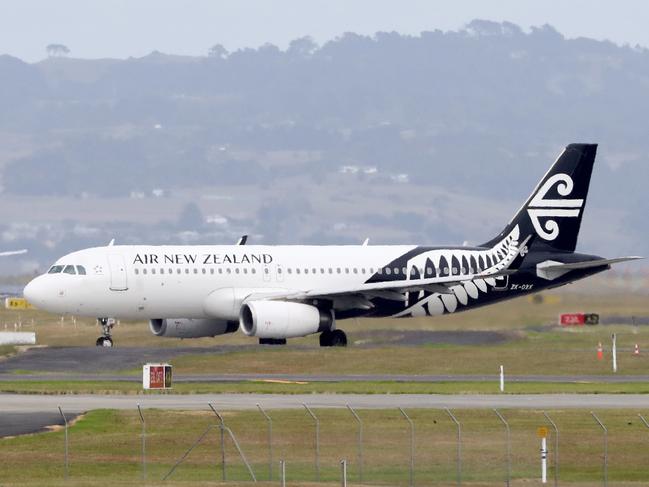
[(540, 207)]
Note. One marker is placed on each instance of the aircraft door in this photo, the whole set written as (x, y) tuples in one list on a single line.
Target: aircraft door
[(117, 266), (279, 273)]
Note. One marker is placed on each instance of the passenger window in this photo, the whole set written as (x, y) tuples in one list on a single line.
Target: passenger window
[(429, 271), (371, 270), (245, 270), (212, 270), (152, 271), (396, 270), (220, 270), (143, 271), (136, 271), (253, 270), (289, 270), (186, 271), (178, 271), (338, 270), (171, 271), (162, 271), (321, 270), (346, 270), (195, 270), (55, 269), (81, 270), (203, 270), (297, 270), (363, 271), (331, 271), (69, 269), (228, 271), (388, 271), (313, 271), (266, 271), (355, 270), (306, 271)]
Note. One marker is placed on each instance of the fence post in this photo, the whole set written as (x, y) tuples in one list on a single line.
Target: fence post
[(605, 447), (360, 443), (459, 446), (509, 448), (139, 410), (317, 442), (556, 449), (282, 472), (412, 447), (343, 473), (270, 442), (222, 428), (65, 421)]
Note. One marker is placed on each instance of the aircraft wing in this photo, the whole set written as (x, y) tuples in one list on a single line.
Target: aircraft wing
[(13, 252)]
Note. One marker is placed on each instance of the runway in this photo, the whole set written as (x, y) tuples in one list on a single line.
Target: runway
[(30, 403), (229, 378)]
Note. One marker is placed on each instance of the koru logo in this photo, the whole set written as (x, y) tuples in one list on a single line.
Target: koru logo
[(540, 207)]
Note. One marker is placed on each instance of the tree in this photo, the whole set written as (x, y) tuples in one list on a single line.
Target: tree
[(302, 47), (57, 50), (218, 51)]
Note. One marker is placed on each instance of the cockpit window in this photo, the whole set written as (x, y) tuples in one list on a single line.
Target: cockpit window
[(81, 270), (55, 269), (69, 269)]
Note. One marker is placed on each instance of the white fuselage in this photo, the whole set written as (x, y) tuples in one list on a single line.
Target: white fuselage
[(147, 282)]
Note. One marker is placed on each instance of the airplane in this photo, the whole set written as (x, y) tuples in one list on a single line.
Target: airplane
[(274, 293)]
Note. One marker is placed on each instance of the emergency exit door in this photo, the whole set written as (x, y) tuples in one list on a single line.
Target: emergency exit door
[(118, 281)]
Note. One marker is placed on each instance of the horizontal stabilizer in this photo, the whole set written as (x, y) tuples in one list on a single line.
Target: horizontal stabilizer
[(588, 264)]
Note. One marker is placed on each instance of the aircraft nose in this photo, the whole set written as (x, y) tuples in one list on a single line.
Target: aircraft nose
[(34, 291)]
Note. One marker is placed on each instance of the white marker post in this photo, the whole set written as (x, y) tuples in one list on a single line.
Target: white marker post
[(542, 432), (502, 379), (614, 352)]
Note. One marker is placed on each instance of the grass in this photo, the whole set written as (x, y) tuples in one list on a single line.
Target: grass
[(262, 387), (105, 448)]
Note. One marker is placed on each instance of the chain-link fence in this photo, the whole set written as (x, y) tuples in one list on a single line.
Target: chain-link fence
[(343, 446)]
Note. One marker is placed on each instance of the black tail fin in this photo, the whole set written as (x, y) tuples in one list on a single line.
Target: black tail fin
[(553, 211)]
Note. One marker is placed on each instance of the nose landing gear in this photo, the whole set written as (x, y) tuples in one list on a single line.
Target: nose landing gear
[(106, 326)]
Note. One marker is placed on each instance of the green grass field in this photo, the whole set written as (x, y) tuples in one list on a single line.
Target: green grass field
[(105, 448), (263, 387)]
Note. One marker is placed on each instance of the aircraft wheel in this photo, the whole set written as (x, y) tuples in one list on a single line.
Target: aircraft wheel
[(325, 339), (104, 342), (338, 338), (272, 341)]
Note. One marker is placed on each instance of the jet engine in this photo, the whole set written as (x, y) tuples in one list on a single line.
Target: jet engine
[(281, 319), (191, 328)]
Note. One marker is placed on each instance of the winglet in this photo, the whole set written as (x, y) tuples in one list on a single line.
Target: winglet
[(242, 240), (111, 243)]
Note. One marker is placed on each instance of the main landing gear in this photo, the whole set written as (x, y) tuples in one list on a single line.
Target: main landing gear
[(333, 338), (272, 341), (106, 326)]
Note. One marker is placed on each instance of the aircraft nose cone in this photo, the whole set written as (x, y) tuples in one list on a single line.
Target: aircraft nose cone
[(34, 291)]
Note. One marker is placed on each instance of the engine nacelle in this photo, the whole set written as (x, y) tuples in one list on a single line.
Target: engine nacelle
[(191, 328), (281, 319)]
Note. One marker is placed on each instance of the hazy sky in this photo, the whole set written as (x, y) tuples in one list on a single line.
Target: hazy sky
[(123, 28)]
